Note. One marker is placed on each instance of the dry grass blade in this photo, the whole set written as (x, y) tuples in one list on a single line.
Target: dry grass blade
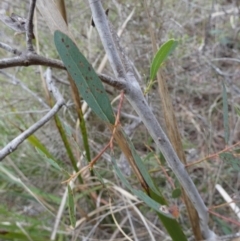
[(117, 224), (124, 146), (52, 16)]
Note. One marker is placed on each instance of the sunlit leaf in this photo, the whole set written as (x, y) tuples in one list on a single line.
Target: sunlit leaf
[(165, 50)]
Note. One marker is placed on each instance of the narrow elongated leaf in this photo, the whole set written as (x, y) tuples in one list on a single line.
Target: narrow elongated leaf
[(141, 195), (170, 223), (67, 145), (154, 192), (88, 83), (35, 142), (165, 50)]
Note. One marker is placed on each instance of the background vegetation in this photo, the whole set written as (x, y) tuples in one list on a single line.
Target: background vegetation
[(205, 62)]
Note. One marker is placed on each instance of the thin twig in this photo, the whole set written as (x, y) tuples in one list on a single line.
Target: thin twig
[(117, 83), (51, 85), (29, 26), (10, 49), (30, 58), (13, 145), (105, 33), (117, 121), (215, 155), (224, 218)]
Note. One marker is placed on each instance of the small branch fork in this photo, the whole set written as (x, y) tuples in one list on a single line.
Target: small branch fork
[(110, 144), (215, 155), (30, 57)]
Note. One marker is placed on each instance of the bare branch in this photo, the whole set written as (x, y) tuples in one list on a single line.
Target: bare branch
[(118, 84), (51, 86), (29, 26), (105, 34), (10, 49), (13, 145), (30, 58), (140, 105)]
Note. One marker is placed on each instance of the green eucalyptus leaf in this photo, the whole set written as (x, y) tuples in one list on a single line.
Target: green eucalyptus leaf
[(171, 224), (165, 50), (140, 194), (88, 83)]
